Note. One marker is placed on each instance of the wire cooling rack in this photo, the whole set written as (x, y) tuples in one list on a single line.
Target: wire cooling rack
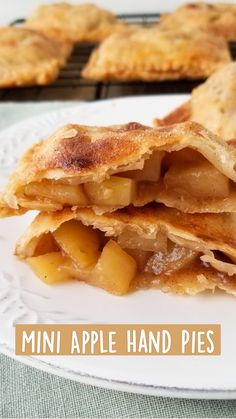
[(70, 85)]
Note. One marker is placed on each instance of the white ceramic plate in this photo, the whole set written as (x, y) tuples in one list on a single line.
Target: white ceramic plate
[(24, 299)]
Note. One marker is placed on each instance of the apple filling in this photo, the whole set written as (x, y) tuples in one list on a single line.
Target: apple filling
[(200, 180), (81, 252), (182, 173)]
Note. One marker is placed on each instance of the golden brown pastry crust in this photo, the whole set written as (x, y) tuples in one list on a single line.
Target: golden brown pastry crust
[(218, 19), (74, 22), (212, 104), (92, 154), (204, 233), (178, 115), (154, 54), (29, 58)]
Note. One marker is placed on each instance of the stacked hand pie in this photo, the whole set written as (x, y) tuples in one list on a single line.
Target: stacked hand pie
[(129, 206)]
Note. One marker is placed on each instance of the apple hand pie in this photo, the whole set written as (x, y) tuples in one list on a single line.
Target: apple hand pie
[(156, 54), (183, 166), (134, 248), (219, 19), (29, 58), (212, 104), (74, 22)]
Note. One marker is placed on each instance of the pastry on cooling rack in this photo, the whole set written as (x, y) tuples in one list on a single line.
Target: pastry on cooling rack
[(150, 247), (155, 54), (29, 58), (74, 22), (212, 104), (218, 18), (106, 168)]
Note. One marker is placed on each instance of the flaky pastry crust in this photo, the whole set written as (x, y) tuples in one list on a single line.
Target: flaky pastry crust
[(29, 58), (93, 154), (74, 22), (212, 104), (219, 19), (154, 54)]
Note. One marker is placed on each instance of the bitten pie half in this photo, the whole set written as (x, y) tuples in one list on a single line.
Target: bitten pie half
[(218, 18), (74, 22), (212, 104), (156, 54), (29, 58), (150, 247), (105, 168)]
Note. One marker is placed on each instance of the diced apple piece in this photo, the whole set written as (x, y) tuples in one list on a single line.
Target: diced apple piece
[(132, 240), (115, 269), (79, 242), (62, 193), (46, 267), (116, 191), (176, 258), (152, 168), (201, 180)]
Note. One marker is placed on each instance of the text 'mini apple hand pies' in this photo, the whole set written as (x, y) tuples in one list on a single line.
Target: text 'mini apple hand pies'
[(157, 54), (212, 104), (150, 247), (29, 58), (105, 168), (74, 22)]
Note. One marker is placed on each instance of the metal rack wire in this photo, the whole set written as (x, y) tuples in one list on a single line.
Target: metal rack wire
[(70, 85)]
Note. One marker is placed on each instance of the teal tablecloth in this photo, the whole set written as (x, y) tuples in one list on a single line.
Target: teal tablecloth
[(26, 392)]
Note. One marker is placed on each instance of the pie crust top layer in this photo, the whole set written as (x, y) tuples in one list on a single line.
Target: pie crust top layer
[(219, 18), (28, 57), (148, 54), (105, 168), (212, 104), (74, 22)]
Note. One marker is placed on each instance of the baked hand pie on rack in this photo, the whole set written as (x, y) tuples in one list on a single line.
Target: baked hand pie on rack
[(29, 58), (74, 22), (156, 54), (150, 247), (106, 168), (218, 18), (212, 104)]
